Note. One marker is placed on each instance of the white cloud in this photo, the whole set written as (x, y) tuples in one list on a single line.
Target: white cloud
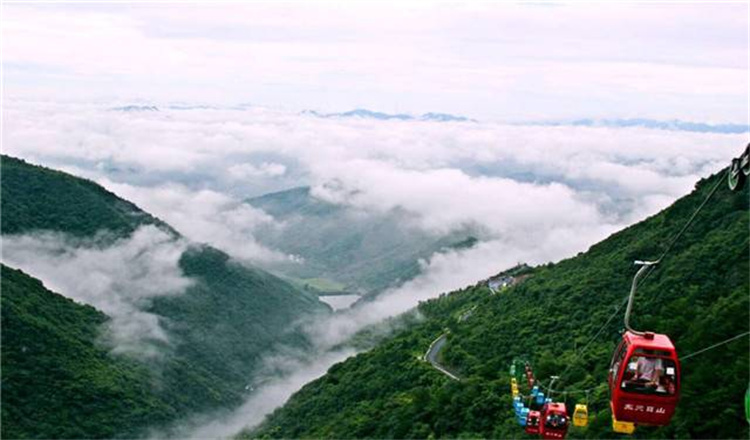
[(119, 279), (248, 170), (194, 168), (447, 199), (289, 374), (205, 216)]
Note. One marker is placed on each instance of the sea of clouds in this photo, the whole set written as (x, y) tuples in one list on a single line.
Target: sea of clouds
[(193, 168), (538, 194)]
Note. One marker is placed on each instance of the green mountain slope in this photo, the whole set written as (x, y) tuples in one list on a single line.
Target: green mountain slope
[(366, 253), (57, 381), (36, 198), (220, 327), (698, 295)]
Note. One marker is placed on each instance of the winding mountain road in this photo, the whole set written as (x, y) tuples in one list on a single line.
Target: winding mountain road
[(432, 355)]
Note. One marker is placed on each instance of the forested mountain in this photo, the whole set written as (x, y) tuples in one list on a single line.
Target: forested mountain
[(57, 381), (36, 199), (362, 253), (698, 295), (219, 327)]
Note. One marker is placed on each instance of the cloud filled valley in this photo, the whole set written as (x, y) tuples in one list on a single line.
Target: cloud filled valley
[(527, 193), (194, 168), (119, 278), (284, 219)]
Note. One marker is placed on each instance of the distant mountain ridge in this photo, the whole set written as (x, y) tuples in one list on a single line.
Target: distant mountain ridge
[(136, 108), (672, 125), (362, 113), (369, 114)]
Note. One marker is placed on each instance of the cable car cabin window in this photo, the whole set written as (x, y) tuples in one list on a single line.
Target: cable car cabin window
[(647, 352), (555, 421), (617, 358), (648, 374)]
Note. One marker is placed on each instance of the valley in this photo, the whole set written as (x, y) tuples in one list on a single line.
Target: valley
[(205, 337), (345, 249), (560, 318), (374, 220)]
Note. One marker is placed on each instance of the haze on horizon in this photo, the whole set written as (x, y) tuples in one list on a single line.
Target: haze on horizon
[(506, 61)]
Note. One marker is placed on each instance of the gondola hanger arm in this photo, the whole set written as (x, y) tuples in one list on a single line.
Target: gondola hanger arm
[(645, 265)]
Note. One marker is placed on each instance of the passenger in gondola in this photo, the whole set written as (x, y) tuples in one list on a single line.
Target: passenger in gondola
[(649, 371)]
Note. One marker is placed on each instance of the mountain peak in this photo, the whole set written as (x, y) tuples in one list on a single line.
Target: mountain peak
[(136, 108), (370, 114)]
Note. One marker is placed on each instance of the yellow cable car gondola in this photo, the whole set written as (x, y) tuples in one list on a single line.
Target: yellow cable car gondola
[(622, 427), (581, 415)]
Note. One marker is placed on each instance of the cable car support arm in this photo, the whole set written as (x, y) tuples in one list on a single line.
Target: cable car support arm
[(644, 267)]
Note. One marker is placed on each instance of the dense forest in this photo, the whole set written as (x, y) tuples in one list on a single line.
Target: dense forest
[(558, 318), (221, 325), (36, 198), (58, 382)]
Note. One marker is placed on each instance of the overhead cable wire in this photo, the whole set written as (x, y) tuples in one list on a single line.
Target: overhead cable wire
[(692, 217), (718, 344)]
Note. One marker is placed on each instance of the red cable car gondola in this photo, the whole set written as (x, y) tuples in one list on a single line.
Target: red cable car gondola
[(532, 422), (529, 375), (644, 379), (554, 422), (644, 375)]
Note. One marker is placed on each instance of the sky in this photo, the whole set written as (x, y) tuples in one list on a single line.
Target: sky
[(486, 60)]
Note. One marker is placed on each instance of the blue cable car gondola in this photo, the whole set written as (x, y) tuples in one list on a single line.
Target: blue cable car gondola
[(540, 398), (522, 416)]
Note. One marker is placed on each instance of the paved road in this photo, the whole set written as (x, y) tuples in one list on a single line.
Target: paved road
[(432, 355)]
